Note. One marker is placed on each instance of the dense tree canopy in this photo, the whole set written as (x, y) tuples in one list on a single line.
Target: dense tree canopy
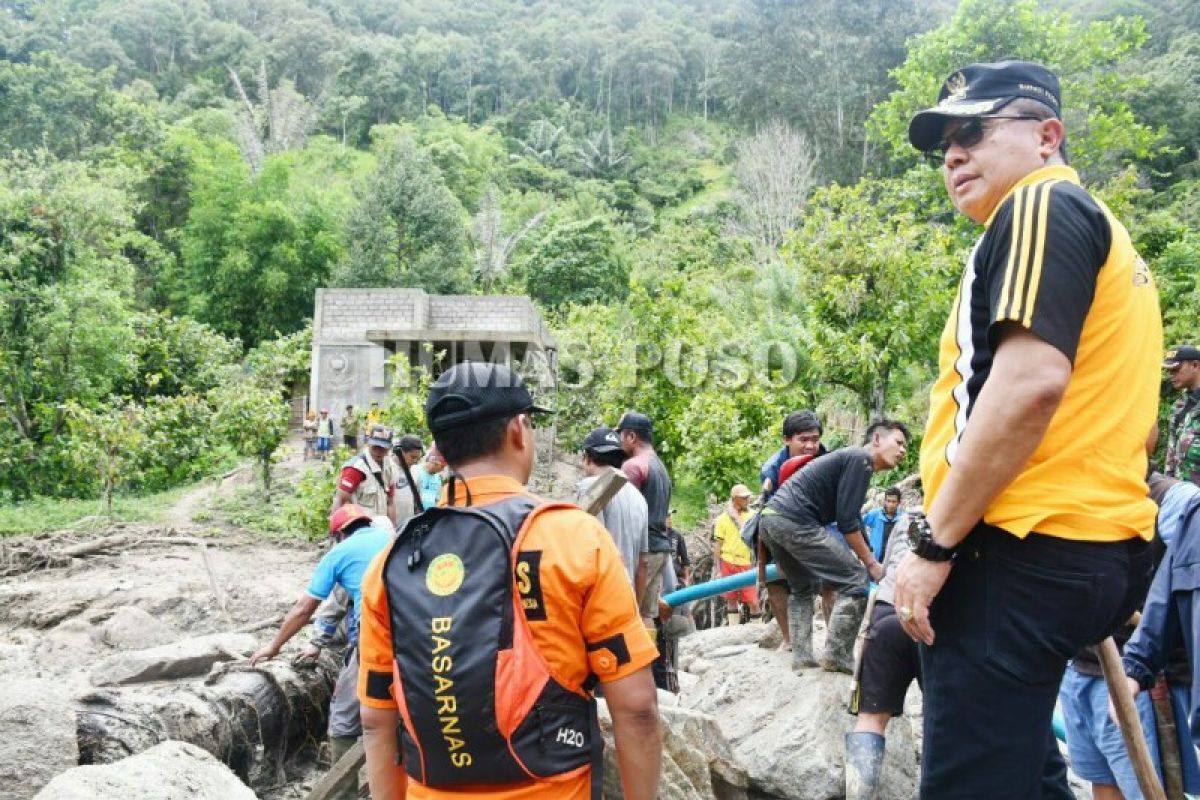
[(714, 203)]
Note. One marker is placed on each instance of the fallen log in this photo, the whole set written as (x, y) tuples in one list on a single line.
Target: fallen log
[(254, 719)]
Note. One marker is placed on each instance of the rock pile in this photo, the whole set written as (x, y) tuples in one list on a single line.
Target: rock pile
[(38, 724), (784, 728), (698, 763)]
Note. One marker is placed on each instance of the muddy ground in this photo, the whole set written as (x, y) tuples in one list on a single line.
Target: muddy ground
[(64, 619), (156, 585)]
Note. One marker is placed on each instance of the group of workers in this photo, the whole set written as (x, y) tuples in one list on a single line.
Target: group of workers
[(487, 626)]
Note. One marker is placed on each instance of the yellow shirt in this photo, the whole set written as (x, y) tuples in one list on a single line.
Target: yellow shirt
[(729, 534), (1055, 261)]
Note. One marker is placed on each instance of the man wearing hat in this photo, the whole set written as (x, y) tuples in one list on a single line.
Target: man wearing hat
[(646, 471), (1183, 427), (625, 515), (730, 553), (356, 542), (369, 479), (580, 611), (1034, 459), (408, 452)]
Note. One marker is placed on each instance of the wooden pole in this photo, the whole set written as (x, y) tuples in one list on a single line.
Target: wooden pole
[(1168, 741), (602, 490), (1127, 718), (342, 776)]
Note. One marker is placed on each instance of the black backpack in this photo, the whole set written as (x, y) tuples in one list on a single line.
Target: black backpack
[(477, 701)]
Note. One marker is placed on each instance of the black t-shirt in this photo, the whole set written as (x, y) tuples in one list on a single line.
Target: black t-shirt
[(830, 488)]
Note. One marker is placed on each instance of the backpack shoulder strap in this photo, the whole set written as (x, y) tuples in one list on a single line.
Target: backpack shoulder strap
[(597, 739)]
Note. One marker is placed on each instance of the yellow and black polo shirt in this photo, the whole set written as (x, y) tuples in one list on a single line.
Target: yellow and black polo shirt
[(1054, 260)]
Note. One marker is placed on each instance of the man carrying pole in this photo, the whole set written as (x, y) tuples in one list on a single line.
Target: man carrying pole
[(1048, 371)]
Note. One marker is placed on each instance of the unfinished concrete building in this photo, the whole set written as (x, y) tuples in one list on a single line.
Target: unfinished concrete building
[(358, 334)]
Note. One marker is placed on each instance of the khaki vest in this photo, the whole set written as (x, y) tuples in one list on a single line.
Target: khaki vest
[(370, 494)]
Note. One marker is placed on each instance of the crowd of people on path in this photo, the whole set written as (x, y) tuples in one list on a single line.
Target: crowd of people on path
[(1040, 528)]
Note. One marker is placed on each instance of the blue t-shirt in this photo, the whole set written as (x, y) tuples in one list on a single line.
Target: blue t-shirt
[(875, 522), (430, 487), (346, 564)]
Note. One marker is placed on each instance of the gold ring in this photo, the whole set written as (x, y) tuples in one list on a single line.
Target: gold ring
[(905, 613)]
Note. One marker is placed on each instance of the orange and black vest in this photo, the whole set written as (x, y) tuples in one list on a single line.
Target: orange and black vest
[(477, 701)]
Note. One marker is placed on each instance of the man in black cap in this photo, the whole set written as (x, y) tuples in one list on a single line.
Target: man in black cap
[(580, 612), (1183, 428), (408, 452), (625, 515), (1033, 459), (369, 478), (646, 471)]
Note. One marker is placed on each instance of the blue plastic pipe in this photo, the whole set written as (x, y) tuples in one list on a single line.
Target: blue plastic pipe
[(721, 585)]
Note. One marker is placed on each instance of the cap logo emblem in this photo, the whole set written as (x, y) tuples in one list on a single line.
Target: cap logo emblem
[(956, 85), (445, 575)]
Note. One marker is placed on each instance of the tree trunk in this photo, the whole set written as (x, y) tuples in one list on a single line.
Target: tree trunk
[(253, 719), (265, 465)]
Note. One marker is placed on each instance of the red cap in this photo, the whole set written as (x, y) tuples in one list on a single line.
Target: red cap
[(345, 515)]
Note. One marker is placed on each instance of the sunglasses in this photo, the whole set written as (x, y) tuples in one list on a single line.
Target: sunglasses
[(967, 135)]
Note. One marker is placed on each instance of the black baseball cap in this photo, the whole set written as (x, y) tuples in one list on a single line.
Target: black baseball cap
[(977, 90), (633, 421), (408, 443), (1177, 355), (476, 391), (601, 440)]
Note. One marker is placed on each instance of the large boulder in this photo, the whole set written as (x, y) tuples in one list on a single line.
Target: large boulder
[(133, 628), (168, 771), (698, 763), (186, 659), (37, 736), (786, 729)]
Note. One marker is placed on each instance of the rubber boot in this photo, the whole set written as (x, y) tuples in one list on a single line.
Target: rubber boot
[(864, 758), (733, 618), (843, 630), (800, 626), (338, 747)]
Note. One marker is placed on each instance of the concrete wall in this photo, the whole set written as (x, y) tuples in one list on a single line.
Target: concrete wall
[(356, 330)]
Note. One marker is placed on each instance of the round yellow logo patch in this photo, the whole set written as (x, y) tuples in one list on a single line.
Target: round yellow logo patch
[(445, 574)]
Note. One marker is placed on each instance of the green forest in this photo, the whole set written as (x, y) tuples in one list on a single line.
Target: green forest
[(713, 204)]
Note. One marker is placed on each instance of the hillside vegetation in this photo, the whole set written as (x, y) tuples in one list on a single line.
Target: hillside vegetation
[(713, 203)]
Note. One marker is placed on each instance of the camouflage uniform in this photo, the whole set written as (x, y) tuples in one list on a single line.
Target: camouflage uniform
[(1183, 438)]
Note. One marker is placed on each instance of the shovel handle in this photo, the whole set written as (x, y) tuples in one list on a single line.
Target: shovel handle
[(1127, 718)]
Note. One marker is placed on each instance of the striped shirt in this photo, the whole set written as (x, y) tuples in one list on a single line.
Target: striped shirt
[(1054, 260)]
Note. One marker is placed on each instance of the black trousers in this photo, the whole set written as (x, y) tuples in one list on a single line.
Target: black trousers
[(1008, 618)]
